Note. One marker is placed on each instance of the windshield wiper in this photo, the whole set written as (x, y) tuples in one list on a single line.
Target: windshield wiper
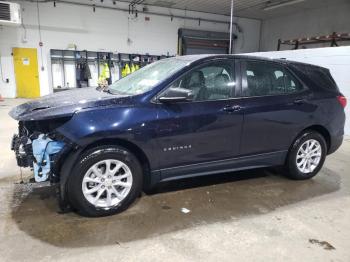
[(103, 89), (108, 91)]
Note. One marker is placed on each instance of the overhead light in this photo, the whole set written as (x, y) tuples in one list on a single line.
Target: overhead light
[(281, 4)]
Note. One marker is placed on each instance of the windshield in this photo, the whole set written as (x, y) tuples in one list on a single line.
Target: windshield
[(147, 77)]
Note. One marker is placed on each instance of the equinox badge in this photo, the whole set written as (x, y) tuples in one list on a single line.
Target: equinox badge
[(176, 148)]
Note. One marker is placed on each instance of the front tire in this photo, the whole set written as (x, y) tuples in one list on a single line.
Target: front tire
[(306, 157), (105, 181)]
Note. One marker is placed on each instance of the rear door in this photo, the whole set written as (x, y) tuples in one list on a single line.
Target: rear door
[(276, 107)]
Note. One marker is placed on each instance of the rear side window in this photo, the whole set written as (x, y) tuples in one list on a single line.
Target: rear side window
[(265, 79), (322, 78)]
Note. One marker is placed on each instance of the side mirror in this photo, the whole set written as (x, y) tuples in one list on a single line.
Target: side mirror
[(176, 94)]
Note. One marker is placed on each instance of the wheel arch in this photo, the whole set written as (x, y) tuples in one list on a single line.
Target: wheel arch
[(320, 129), (133, 148), (73, 155)]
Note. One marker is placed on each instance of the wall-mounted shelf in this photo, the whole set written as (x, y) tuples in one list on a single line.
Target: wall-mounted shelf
[(332, 39)]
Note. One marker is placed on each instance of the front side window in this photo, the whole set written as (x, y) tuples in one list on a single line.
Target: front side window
[(265, 79), (146, 78), (214, 81)]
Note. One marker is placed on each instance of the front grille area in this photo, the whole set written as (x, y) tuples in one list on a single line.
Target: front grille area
[(5, 12)]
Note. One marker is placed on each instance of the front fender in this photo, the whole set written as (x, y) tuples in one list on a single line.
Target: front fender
[(133, 124)]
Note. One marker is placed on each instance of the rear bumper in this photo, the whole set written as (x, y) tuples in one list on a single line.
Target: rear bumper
[(336, 142)]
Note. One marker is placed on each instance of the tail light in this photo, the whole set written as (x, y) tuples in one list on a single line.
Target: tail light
[(342, 100)]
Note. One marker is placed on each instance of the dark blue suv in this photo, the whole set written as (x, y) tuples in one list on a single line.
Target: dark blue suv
[(176, 118)]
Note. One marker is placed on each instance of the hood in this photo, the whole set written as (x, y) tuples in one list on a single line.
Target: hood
[(65, 103)]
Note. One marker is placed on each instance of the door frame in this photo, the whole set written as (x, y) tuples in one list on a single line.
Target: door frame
[(226, 163), (305, 93), (36, 69)]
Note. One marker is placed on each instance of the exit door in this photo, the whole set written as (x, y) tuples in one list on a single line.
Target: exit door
[(26, 72)]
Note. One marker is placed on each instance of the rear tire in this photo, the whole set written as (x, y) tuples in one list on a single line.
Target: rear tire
[(106, 180), (306, 156)]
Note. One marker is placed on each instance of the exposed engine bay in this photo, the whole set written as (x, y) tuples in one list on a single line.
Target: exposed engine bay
[(38, 147), (50, 142)]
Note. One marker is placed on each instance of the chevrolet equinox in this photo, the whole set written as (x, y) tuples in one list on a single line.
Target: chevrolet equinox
[(177, 118)]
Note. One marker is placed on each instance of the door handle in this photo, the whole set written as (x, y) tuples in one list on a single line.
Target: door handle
[(232, 109), (299, 101)]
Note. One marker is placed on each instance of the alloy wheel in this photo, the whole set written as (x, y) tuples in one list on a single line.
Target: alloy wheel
[(309, 156), (107, 183)]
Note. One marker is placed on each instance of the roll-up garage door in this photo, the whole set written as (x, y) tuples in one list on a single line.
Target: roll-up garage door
[(193, 42)]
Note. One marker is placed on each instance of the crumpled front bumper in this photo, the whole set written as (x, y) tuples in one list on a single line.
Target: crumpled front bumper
[(39, 153), (22, 147)]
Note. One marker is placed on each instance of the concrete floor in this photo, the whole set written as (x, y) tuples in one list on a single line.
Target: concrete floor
[(245, 216)]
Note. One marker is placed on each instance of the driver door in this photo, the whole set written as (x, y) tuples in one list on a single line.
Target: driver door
[(193, 135)]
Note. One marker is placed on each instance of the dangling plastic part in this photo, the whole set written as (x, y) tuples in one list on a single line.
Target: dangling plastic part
[(43, 147)]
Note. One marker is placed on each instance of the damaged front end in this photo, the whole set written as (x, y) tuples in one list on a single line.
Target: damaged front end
[(44, 145), (40, 147)]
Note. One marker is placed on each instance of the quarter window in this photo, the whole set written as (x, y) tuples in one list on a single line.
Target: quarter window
[(213, 81), (265, 79)]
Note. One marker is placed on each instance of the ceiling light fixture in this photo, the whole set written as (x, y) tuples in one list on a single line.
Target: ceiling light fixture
[(281, 4)]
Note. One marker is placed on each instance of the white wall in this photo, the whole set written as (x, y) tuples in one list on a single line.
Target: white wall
[(105, 30), (308, 23), (336, 59)]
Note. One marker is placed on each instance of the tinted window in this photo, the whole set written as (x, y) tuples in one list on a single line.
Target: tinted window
[(322, 78), (213, 81), (269, 79), (292, 84)]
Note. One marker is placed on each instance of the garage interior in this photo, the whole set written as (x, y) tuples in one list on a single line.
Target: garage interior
[(255, 215)]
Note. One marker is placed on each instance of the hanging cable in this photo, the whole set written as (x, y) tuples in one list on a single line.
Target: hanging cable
[(24, 38), (231, 25), (40, 37)]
